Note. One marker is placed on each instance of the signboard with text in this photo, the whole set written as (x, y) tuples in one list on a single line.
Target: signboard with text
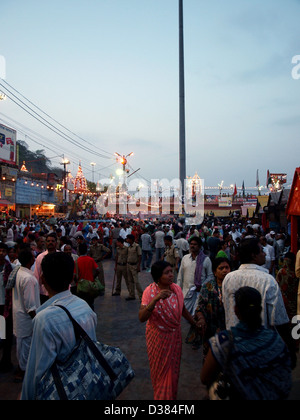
[(225, 202), (8, 144)]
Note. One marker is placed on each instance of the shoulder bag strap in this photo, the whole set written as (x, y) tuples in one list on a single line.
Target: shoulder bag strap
[(79, 332), (58, 383)]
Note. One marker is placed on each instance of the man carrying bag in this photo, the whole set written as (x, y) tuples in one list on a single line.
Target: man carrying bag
[(56, 341), (86, 272)]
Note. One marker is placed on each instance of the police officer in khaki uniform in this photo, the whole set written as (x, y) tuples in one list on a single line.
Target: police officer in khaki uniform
[(134, 266), (171, 255), (121, 268), (96, 252)]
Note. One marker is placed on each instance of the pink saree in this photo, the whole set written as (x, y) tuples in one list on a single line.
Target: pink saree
[(164, 344)]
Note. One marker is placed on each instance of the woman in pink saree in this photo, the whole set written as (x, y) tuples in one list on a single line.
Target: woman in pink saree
[(163, 306)]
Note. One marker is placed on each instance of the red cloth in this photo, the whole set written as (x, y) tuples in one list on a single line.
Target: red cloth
[(235, 191), (86, 266), (164, 343)]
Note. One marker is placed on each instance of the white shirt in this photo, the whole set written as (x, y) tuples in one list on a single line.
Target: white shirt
[(186, 275), (252, 275), (159, 239), (182, 245), (10, 235), (26, 298), (170, 233), (270, 256), (235, 235), (91, 235), (125, 232), (22, 227)]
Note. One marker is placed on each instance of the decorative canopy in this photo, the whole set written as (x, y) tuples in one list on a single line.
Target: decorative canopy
[(293, 206), (80, 184)]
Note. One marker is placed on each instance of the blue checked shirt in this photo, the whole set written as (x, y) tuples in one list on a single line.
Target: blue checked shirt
[(53, 337)]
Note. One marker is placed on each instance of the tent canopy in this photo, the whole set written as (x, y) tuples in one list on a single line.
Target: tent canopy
[(293, 205)]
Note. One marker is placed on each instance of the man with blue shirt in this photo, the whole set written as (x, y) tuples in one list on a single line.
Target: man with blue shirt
[(53, 333)]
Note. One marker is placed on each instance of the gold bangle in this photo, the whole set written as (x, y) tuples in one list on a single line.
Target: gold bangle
[(149, 310)]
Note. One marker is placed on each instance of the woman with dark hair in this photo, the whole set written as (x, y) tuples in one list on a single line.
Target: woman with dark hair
[(254, 359), (288, 283), (224, 250), (210, 313), (163, 306)]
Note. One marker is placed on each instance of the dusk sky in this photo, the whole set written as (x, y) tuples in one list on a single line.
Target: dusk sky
[(108, 71)]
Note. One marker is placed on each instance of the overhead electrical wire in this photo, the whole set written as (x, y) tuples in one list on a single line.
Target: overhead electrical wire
[(59, 133), (33, 137), (25, 131), (29, 110), (53, 119), (140, 176), (72, 155), (49, 125)]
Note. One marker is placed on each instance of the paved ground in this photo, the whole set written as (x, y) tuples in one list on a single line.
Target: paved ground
[(118, 325)]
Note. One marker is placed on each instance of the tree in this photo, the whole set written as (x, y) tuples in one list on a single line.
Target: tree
[(36, 162), (91, 186)]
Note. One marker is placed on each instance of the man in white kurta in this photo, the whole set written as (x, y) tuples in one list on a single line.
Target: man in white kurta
[(186, 275), (26, 300)]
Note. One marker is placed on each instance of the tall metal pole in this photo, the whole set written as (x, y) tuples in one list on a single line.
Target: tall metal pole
[(182, 143)]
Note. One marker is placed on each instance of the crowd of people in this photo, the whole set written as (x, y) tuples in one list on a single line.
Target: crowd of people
[(235, 284)]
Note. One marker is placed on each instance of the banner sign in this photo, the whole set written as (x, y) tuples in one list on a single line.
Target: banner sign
[(278, 178), (225, 202), (8, 145)]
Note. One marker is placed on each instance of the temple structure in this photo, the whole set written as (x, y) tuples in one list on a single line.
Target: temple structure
[(80, 184)]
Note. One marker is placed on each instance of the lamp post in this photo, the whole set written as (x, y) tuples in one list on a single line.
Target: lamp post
[(221, 187), (93, 164), (123, 160), (182, 132), (65, 162)]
